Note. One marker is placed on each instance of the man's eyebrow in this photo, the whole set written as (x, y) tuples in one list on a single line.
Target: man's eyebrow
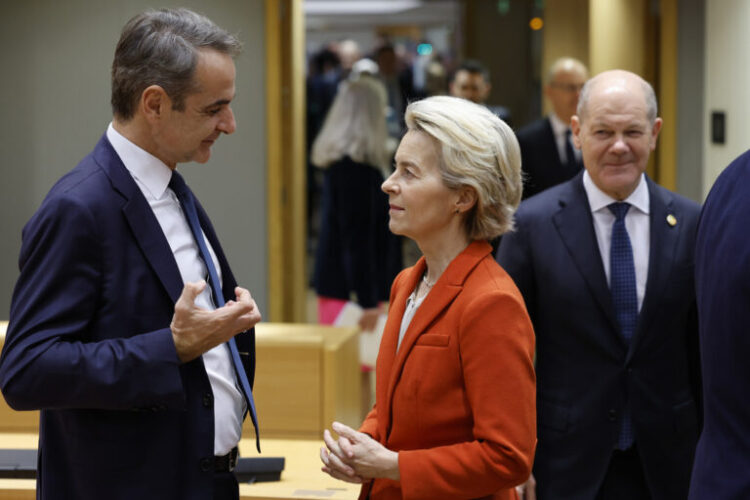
[(219, 102)]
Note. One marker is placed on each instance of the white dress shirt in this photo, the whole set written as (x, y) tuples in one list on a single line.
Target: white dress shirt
[(558, 129), (636, 222), (412, 304), (152, 177)]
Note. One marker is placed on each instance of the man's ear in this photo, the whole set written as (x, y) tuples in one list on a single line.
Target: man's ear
[(575, 130), (154, 101), (487, 90), (467, 198), (655, 132)]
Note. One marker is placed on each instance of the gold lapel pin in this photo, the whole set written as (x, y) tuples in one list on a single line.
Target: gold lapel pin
[(671, 220)]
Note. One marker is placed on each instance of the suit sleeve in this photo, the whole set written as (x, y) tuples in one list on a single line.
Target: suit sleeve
[(52, 358), (496, 344), (514, 255), (370, 424)]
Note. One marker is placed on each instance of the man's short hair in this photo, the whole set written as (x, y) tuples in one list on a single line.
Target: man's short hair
[(565, 64), (160, 47), (648, 94), (472, 67)]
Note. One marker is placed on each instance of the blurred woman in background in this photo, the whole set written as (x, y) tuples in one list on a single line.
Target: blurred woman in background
[(356, 257)]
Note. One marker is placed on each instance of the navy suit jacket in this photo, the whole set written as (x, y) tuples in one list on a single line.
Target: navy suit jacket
[(722, 275), (540, 159), (585, 371), (89, 344)]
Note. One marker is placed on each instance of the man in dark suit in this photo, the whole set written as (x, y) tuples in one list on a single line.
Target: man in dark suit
[(722, 458), (604, 262), (471, 81), (547, 153), (141, 371)]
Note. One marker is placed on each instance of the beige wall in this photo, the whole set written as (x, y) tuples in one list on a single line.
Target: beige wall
[(505, 45), (617, 35), (55, 100), (727, 81), (566, 33)]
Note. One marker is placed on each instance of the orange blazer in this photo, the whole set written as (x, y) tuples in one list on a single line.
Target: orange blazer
[(457, 401)]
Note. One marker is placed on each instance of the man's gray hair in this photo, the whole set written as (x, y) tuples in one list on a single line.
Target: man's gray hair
[(160, 47), (648, 94)]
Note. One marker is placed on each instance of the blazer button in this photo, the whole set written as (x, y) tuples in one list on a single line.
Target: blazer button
[(612, 415), (208, 400), (207, 464)]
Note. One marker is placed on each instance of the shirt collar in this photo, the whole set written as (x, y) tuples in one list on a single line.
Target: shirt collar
[(599, 200), (152, 173), (558, 126)]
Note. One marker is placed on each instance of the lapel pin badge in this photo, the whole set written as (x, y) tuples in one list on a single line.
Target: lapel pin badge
[(671, 220)]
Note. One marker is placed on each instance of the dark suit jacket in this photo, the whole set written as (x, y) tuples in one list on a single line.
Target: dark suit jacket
[(456, 399), (722, 460), (585, 372), (356, 251), (89, 344), (540, 159)]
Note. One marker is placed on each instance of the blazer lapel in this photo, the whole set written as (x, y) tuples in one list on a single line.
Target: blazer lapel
[(575, 227), (440, 297), (146, 230), (662, 248)]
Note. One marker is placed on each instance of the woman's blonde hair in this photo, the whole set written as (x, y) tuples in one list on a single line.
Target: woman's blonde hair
[(355, 126), (478, 150)]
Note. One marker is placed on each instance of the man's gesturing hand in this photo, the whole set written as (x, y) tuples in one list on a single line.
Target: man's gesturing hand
[(197, 330)]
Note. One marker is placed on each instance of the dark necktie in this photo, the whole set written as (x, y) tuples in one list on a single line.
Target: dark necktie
[(570, 155), (177, 183), (622, 285)]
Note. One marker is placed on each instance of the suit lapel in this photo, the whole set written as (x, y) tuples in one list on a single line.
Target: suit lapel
[(575, 227), (146, 230), (552, 144), (662, 250)]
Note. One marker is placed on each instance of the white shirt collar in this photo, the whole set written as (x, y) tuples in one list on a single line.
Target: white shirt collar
[(599, 200), (153, 173), (558, 126)]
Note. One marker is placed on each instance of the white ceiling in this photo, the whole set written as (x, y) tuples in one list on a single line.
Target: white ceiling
[(338, 14)]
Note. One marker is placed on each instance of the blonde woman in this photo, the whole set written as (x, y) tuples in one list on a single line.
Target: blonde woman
[(356, 255), (455, 413)]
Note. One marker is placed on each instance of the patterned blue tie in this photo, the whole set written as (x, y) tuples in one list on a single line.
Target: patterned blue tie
[(622, 285), (177, 183)]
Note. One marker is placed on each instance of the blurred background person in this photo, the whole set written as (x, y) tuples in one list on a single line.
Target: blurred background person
[(471, 81), (399, 84), (324, 75), (356, 256), (455, 413), (349, 53), (547, 153)]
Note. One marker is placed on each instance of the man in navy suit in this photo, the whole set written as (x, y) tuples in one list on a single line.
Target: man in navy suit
[(547, 153), (722, 459), (471, 81), (604, 262), (141, 372)]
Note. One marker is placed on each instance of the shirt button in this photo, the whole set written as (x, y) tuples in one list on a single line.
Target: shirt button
[(208, 400), (207, 464), (612, 415)]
